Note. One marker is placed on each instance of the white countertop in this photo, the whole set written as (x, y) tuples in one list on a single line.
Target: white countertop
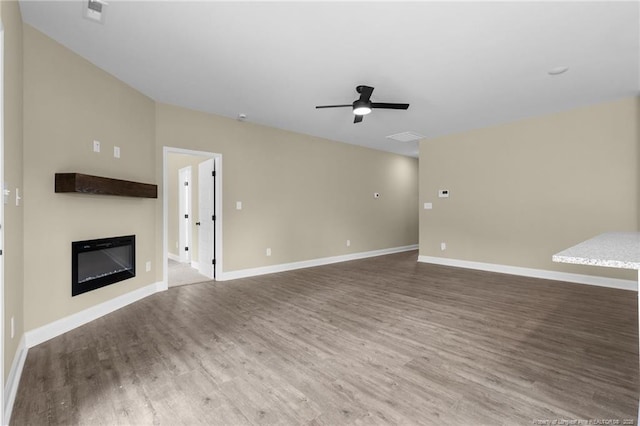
[(613, 249)]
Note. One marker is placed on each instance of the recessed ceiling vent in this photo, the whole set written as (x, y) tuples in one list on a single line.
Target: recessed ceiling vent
[(406, 137), (94, 10)]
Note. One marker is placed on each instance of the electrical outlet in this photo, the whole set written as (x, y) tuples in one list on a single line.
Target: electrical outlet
[(268, 251), (443, 246), (238, 205), (116, 152), (148, 266), (428, 206), (348, 243), (96, 146)]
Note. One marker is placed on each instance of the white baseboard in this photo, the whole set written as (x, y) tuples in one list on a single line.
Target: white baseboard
[(195, 265), (42, 334), (534, 273), (174, 257), (13, 380), (245, 273)]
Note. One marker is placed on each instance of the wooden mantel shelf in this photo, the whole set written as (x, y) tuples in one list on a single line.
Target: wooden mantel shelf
[(87, 184)]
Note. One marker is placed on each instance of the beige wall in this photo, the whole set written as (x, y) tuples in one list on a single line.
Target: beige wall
[(68, 103), (523, 191), (13, 224), (174, 163), (302, 196)]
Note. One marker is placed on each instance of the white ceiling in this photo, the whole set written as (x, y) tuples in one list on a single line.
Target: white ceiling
[(460, 65)]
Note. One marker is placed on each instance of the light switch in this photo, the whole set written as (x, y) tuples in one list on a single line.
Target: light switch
[(6, 192), (238, 205), (116, 152), (96, 146)]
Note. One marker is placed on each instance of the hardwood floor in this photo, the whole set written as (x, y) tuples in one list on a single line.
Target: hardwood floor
[(378, 341)]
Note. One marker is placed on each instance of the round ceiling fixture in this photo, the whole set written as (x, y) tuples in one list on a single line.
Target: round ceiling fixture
[(557, 70), (361, 107)]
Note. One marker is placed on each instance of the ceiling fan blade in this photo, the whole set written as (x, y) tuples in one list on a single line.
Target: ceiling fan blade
[(357, 119), (333, 106), (388, 105), (365, 92)]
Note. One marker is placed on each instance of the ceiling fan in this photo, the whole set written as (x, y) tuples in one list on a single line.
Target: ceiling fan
[(363, 105)]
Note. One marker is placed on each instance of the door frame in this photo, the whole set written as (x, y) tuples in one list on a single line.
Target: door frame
[(185, 232), (2, 183), (166, 150)]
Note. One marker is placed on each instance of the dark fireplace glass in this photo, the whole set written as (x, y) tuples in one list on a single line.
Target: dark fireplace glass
[(97, 263)]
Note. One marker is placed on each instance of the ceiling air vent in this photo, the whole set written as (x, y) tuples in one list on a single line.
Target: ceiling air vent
[(406, 137), (94, 10)]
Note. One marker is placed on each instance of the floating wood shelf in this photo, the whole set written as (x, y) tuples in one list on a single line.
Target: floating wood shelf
[(87, 184)]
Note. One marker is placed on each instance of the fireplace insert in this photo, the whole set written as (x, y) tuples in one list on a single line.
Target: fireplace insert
[(97, 263)]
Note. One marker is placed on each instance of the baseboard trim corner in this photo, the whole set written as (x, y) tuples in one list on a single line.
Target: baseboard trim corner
[(533, 273), (49, 331), (283, 267), (174, 257), (13, 379)]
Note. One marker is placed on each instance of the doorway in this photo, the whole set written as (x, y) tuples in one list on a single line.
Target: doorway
[(192, 220)]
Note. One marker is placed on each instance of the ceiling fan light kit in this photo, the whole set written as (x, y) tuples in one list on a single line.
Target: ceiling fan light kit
[(363, 105)]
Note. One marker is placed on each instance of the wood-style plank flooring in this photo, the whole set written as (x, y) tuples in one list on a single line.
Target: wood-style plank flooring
[(377, 341)]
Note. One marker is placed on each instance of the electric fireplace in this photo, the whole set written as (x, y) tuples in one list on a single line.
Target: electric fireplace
[(98, 263)]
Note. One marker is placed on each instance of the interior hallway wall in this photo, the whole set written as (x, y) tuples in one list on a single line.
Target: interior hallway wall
[(301, 196)]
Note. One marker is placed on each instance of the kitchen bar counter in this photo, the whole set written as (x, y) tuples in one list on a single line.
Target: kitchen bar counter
[(613, 249)]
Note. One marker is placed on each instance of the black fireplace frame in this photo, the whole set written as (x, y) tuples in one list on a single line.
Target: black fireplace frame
[(78, 247)]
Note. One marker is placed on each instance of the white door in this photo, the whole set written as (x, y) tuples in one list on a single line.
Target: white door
[(206, 218), (184, 214)]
